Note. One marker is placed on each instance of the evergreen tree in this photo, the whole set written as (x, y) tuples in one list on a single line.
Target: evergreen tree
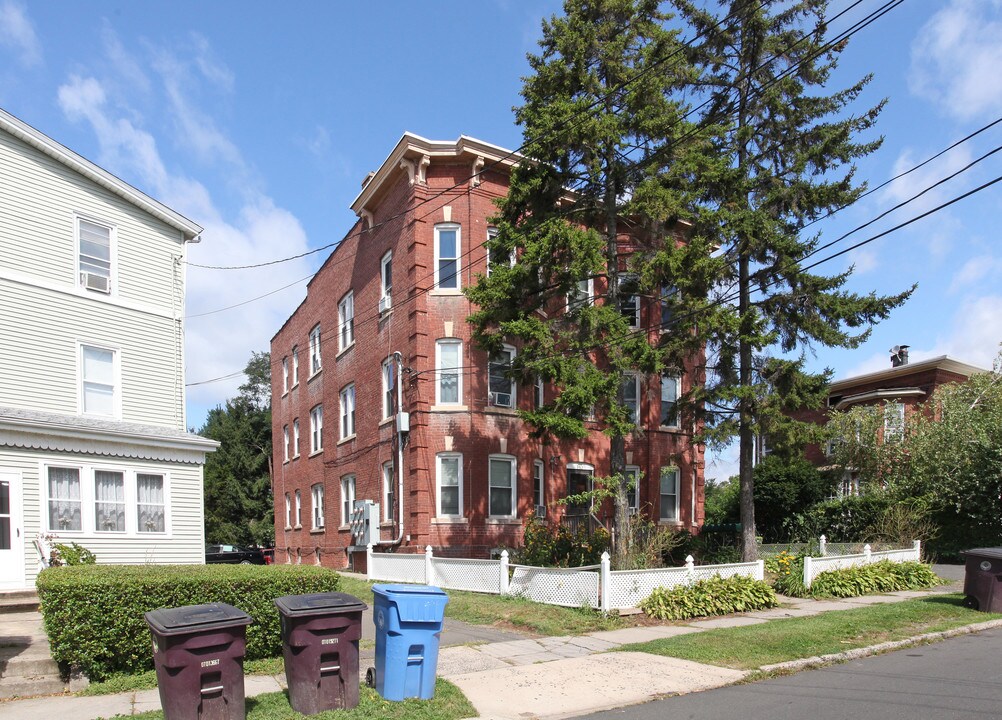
[(238, 495), (597, 106), (782, 157)]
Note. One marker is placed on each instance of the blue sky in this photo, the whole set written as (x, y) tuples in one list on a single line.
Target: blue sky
[(260, 124)]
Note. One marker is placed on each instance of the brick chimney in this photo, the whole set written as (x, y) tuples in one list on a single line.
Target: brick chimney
[(899, 355)]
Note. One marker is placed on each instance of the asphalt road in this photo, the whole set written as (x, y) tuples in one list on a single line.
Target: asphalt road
[(951, 680)]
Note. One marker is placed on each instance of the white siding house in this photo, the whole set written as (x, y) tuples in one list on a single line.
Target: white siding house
[(93, 446)]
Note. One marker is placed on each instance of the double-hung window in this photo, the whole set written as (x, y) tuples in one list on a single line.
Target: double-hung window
[(501, 481), (295, 364), (388, 387), (629, 301), (447, 254), (347, 498), (500, 387), (288, 510), (538, 393), (669, 493), (318, 506), (315, 350), (449, 479), (538, 489), (295, 436), (448, 364), (150, 503), (386, 282), (285, 442), (894, 421), (631, 397), (346, 321), (109, 501), (65, 505), (496, 257), (299, 509), (669, 401), (98, 381), (347, 412), (579, 295), (317, 429), (94, 242), (388, 490), (669, 295), (632, 473), (285, 375)]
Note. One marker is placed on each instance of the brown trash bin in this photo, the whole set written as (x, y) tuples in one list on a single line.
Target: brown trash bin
[(320, 634), (983, 579), (198, 651)]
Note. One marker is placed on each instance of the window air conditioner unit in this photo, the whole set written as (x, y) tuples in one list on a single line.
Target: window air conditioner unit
[(384, 304), (92, 281), (541, 511), (499, 399)]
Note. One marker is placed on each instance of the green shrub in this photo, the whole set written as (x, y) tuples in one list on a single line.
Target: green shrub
[(879, 577), (71, 554), (552, 545), (789, 574), (94, 613), (716, 596)]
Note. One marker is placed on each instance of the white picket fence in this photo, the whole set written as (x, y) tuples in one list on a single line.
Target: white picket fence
[(595, 586), (815, 566)]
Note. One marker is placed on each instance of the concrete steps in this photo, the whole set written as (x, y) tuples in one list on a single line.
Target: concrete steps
[(26, 665)]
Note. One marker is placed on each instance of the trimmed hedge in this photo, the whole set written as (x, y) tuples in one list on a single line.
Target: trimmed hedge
[(93, 614), (879, 577), (716, 596)]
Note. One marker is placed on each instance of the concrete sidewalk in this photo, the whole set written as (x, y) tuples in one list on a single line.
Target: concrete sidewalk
[(550, 677)]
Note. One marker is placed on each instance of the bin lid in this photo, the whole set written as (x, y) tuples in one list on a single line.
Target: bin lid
[(415, 603), (212, 616), (995, 552), (330, 603)]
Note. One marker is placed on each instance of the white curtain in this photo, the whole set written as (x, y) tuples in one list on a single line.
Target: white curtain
[(109, 505), (64, 499), (150, 497)]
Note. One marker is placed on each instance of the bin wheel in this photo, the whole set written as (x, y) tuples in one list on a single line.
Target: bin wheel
[(370, 677), (971, 602)]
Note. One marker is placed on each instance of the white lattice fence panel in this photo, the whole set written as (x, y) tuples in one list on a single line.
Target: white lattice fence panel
[(705, 572), (843, 549), (555, 586), (628, 588), (397, 568), (473, 575), (837, 562), (895, 555)]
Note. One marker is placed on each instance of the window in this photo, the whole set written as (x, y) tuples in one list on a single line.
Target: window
[(299, 509), (894, 421), (347, 498), (385, 282), (109, 501), (629, 301), (669, 402), (449, 477), (632, 473), (317, 429), (295, 364), (315, 350), (295, 438), (578, 482), (94, 243), (496, 257), (347, 412), (285, 441), (501, 388), (388, 388), (579, 295), (538, 394), (285, 375), (669, 493), (288, 510), (64, 499), (501, 500), (150, 513), (346, 321), (318, 506), (98, 394), (538, 494), (388, 487), (448, 361), (631, 397), (447, 246), (669, 295)]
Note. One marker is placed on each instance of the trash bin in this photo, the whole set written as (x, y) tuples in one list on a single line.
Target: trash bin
[(198, 651), (983, 579), (408, 622), (320, 635)]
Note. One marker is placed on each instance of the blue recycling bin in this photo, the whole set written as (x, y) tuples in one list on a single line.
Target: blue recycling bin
[(408, 622)]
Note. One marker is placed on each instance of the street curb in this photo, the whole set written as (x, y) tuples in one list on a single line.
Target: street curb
[(857, 653)]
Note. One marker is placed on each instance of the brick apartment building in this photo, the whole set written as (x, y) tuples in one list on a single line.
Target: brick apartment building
[(469, 470)]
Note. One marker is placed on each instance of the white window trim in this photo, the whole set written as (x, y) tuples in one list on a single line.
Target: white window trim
[(514, 484), (346, 426), (295, 438), (112, 254), (389, 488), (318, 517), (438, 484), (628, 277), (539, 477), (386, 293), (634, 470), (116, 369), (316, 429), (492, 233), (285, 374), (285, 442), (166, 504), (678, 392), (678, 478), (288, 511), (438, 372), (894, 422), (637, 395), (538, 393), (347, 498), (295, 366), (459, 254), (346, 321), (588, 301), (514, 385), (386, 411), (299, 510), (316, 360)]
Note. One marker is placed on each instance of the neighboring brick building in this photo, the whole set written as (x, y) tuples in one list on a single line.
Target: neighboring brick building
[(471, 472)]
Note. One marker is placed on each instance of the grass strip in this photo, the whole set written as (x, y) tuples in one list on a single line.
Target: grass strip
[(752, 646), (448, 704), (148, 680)]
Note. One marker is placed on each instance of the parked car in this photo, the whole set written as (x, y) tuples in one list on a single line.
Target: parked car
[(233, 555)]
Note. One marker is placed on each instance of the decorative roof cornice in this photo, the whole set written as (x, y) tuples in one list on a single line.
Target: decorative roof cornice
[(942, 362)]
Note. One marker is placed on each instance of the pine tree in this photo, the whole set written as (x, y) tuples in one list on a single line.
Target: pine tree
[(586, 227), (782, 158)]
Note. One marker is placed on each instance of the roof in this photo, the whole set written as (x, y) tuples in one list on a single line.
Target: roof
[(941, 362), (79, 164)]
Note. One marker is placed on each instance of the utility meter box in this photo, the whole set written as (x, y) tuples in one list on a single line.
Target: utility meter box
[(365, 523)]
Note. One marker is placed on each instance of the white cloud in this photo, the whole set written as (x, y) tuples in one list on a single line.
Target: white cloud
[(956, 58), (864, 260), (123, 63), (18, 34), (975, 332), (974, 271)]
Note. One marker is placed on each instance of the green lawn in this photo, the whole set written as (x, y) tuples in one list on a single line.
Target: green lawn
[(750, 647), (448, 704)]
